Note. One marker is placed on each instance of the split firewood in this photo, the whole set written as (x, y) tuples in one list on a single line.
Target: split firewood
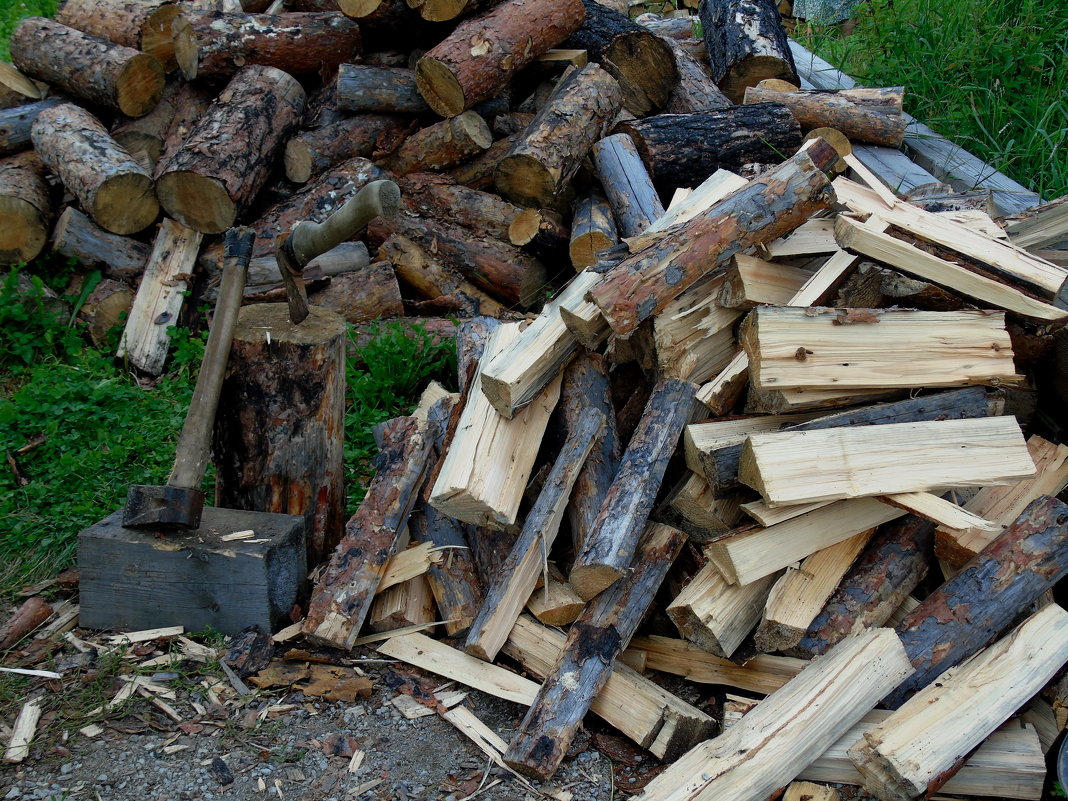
[(543, 161), (771, 745), (555, 603), (694, 335), (593, 229), (441, 146), (610, 544), (685, 149), (709, 192), (295, 43), (695, 91), (940, 511), (981, 452), (813, 238), (145, 25), (1040, 226), (827, 109), (91, 69), (519, 573), (799, 595), (311, 153), (18, 744), (217, 172), (409, 603), (638, 59), (490, 458), (916, 749), (716, 615), (33, 612), (937, 637), (753, 282), (746, 44), (481, 55), (342, 599), (693, 507), (113, 188), (594, 642), (25, 208), (630, 191), (1002, 505), (639, 286), (16, 124)]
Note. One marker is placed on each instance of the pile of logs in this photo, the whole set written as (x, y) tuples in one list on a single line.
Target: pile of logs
[(715, 378)]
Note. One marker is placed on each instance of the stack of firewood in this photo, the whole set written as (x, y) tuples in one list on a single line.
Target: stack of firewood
[(779, 399)]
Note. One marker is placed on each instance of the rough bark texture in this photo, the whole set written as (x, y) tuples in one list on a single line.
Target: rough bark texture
[(384, 89), (593, 229), (438, 196), (818, 108), (640, 60), (544, 160), (146, 134), (190, 103), (342, 598), (890, 567), (16, 123), (311, 153), (278, 441), (478, 172), (31, 614), (626, 181), (594, 641), (143, 25), (746, 44), (986, 596), (434, 279), (643, 284), (295, 43), (684, 149), (364, 295), (441, 146), (695, 91), (113, 188), (227, 157), (86, 67), (77, 237), (612, 538), (481, 55), (25, 208)]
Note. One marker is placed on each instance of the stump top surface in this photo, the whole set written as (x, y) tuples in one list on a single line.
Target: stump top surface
[(256, 320)]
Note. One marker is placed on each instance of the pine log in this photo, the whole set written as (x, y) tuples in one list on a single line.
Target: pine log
[(106, 306), (481, 55), (593, 229), (25, 208), (361, 296), (640, 60), (29, 616), (799, 595), (170, 266), (695, 91), (16, 123), (311, 153), (1002, 505), (77, 237), (146, 134), (634, 201), (716, 615), (190, 102), (295, 43), (594, 641), (685, 149), (772, 744), (542, 163), (381, 89), (409, 603), (817, 108), (984, 598), (441, 146), (229, 154), (915, 750), (490, 459), (643, 284), (113, 188), (517, 374), (86, 67), (869, 349), (746, 44), (433, 279), (610, 544), (507, 595), (342, 598), (478, 172), (144, 25), (541, 231)]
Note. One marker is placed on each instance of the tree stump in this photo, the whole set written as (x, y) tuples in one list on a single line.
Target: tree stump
[(279, 434)]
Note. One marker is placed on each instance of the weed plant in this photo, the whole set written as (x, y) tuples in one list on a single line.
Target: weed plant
[(990, 75)]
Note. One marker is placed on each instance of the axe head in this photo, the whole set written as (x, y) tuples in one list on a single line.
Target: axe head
[(153, 506)]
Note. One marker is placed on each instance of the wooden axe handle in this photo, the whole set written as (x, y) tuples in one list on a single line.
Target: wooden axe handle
[(377, 199)]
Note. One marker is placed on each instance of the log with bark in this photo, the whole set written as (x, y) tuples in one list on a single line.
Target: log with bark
[(638, 59), (16, 124), (695, 91), (91, 69), (77, 237), (593, 229), (441, 146), (228, 156), (541, 164), (746, 44), (818, 108), (114, 189), (626, 182), (382, 89), (105, 308), (25, 208), (481, 55), (145, 25), (312, 152)]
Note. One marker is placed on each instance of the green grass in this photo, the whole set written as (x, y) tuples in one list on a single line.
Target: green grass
[(990, 75), (11, 11)]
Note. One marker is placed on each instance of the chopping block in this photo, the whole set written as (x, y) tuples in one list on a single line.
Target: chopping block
[(146, 578)]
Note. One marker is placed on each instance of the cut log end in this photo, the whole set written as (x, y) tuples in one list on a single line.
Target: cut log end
[(527, 180), (836, 139), (441, 10), (298, 162), (125, 204), (524, 227), (751, 72), (186, 50), (140, 85), (23, 231), (645, 68), (439, 87), (197, 201), (471, 127), (357, 9), (157, 39), (591, 580), (585, 247)]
